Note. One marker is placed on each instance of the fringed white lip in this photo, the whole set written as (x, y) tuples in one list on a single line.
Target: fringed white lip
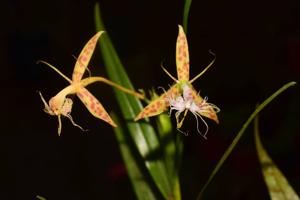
[(184, 103)]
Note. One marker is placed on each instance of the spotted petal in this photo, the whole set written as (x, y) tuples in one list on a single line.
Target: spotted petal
[(182, 56), (85, 57), (160, 104), (204, 108), (94, 106)]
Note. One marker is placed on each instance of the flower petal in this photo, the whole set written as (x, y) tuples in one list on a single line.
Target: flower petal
[(85, 57), (204, 108), (182, 56), (160, 104), (94, 106)]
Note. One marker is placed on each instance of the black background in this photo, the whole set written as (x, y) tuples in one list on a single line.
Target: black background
[(257, 45)]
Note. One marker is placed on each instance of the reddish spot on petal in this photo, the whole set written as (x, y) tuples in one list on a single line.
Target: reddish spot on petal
[(86, 93), (98, 111), (86, 51), (91, 47), (105, 118), (92, 105), (94, 39), (83, 58), (80, 95), (159, 104), (153, 110)]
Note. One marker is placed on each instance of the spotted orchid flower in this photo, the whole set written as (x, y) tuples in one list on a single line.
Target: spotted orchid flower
[(182, 97), (61, 105)]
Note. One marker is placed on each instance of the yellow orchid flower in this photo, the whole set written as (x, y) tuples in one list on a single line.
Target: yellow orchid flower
[(182, 97), (61, 105)]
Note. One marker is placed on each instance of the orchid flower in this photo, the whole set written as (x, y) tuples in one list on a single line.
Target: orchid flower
[(60, 104), (182, 97)]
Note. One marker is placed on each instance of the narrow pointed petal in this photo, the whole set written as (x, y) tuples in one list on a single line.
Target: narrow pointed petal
[(182, 56), (94, 106), (85, 57), (159, 105), (205, 109)]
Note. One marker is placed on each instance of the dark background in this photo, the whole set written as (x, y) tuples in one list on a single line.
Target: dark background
[(257, 45)]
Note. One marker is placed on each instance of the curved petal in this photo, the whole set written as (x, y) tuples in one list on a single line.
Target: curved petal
[(85, 57), (204, 108), (94, 106), (182, 56), (160, 104)]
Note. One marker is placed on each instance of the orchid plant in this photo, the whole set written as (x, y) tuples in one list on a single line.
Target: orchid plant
[(153, 157), (60, 104), (182, 97)]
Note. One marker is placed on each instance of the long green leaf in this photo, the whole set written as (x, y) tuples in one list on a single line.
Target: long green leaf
[(139, 181), (172, 151), (241, 132), (186, 11), (278, 186), (165, 132), (142, 133)]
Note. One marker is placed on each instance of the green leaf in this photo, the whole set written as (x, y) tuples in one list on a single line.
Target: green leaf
[(241, 132), (139, 181), (172, 151), (166, 137), (142, 133), (186, 11), (278, 186)]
